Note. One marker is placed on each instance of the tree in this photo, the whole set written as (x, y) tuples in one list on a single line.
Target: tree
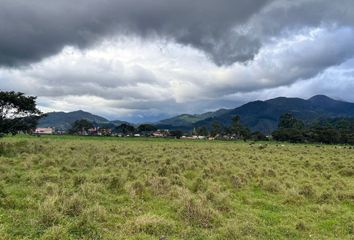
[(143, 128), (176, 133), (18, 113), (81, 126), (292, 135), (238, 130), (287, 120), (290, 129), (202, 131), (216, 129), (125, 129), (324, 134), (258, 136)]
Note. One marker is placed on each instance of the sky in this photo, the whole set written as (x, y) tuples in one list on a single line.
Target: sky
[(145, 60)]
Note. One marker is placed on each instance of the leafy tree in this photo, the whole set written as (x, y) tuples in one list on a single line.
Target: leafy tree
[(287, 120), (292, 135), (216, 129), (290, 129), (125, 129), (258, 136), (176, 133), (18, 113), (81, 126), (202, 131), (238, 130), (328, 131), (146, 128), (324, 134)]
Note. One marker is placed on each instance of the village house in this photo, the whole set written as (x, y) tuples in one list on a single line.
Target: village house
[(44, 131), (161, 133)]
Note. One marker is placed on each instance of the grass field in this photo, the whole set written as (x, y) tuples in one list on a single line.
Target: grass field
[(109, 188)]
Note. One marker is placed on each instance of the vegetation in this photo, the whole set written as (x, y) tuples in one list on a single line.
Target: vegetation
[(63, 121), (328, 131), (264, 116), (125, 129), (80, 127), (146, 128), (17, 113), (259, 116), (131, 188)]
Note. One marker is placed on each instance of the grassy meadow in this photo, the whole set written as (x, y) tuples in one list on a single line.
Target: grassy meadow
[(109, 188)]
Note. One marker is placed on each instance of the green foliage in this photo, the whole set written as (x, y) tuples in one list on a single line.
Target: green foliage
[(125, 129), (143, 128), (259, 136), (202, 131), (329, 131), (71, 187), (287, 121), (216, 129), (289, 134), (238, 130), (176, 134), (18, 113), (64, 121), (81, 126)]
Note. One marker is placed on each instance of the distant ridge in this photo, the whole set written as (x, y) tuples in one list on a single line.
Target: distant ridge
[(63, 121), (264, 115), (258, 115)]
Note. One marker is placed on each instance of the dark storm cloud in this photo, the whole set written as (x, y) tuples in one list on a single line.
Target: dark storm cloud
[(32, 30), (227, 30)]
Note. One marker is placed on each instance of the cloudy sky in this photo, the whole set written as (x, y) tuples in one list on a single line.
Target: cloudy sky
[(143, 60)]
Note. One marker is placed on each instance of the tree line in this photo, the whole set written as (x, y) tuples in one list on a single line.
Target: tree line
[(328, 131)]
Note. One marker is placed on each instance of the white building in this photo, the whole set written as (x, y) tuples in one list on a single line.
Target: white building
[(44, 131)]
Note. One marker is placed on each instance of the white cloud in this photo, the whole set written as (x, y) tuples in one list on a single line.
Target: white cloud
[(127, 77)]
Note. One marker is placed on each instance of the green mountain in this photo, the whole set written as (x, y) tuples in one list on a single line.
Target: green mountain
[(63, 121), (258, 116), (264, 115), (187, 120)]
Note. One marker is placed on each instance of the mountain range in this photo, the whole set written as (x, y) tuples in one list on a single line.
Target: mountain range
[(258, 115), (63, 121)]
